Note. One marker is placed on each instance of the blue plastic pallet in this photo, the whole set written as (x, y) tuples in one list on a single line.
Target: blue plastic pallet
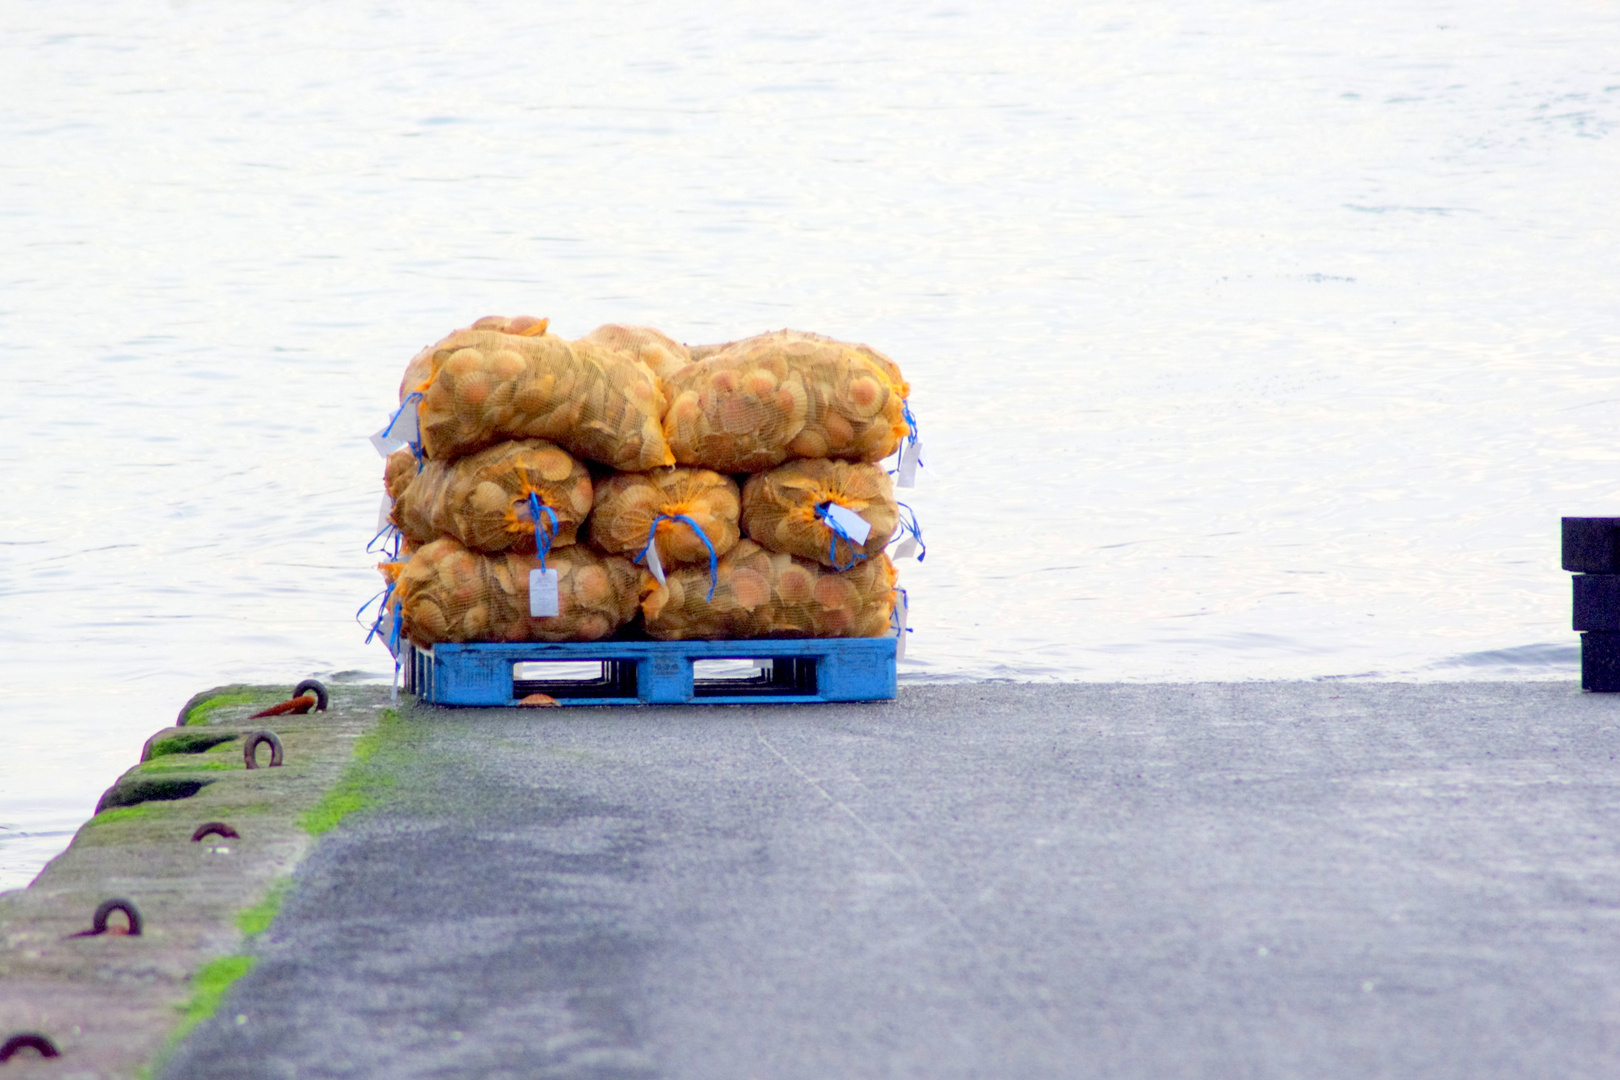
[(656, 672)]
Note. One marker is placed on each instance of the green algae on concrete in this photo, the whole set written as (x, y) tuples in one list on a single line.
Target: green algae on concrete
[(197, 710), (210, 982), (111, 1003), (188, 742), (362, 783)]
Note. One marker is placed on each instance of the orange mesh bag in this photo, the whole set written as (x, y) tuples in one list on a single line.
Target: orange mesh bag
[(420, 369), (398, 471), (660, 352), (484, 499), (447, 593), (766, 594), (677, 507), (764, 400), (890, 368), (486, 385), (788, 509)]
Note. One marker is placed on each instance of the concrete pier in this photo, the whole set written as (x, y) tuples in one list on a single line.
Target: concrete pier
[(1212, 880)]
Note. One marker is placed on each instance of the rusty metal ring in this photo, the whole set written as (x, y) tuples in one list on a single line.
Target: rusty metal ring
[(252, 744), (98, 923), (28, 1040), (215, 828), (319, 690)]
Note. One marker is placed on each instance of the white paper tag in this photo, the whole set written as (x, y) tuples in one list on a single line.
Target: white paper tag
[(910, 458), (855, 526), (907, 548), (655, 565), (901, 610), (404, 426), (542, 593), (385, 443), (383, 514)]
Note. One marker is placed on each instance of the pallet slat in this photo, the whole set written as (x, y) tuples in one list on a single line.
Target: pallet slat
[(656, 672)]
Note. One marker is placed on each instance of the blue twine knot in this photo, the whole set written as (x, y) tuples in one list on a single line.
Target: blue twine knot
[(714, 560), (838, 533), (542, 535)]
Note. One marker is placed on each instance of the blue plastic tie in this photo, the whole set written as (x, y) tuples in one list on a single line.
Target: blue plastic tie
[(383, 535), (914, 529), (413, 399), (714, 560), (838, 533), (376, 624), (542, 536)]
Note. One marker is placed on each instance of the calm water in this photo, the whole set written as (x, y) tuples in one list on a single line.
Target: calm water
[(1250, 340)]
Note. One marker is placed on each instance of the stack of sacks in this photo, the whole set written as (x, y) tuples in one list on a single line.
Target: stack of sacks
[(506, 412), (808, 417), (794, 548)]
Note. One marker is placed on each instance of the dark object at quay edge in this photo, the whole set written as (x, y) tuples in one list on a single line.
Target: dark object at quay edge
[(1600, 661), (1597, 602), (1591, 551), (251, 744), (1592, 545), (319, 689), (28, 1040), (98, 922), (215, 828)]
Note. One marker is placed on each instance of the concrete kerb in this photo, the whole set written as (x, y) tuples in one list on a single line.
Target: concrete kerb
[(112, 1002)]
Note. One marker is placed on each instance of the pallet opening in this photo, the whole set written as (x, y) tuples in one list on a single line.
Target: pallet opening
[(774, 676), (574, 678)]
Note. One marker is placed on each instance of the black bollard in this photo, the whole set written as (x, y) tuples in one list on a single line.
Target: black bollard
[(1592, 554)]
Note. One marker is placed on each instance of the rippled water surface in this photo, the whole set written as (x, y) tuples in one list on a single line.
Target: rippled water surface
[(1249, 340)]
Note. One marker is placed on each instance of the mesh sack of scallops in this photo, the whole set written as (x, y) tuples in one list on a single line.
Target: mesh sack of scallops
[(684, 515), (763, 400), (765, 594), (399, 469), (660, 352), (490, 500), (835, 512), (487, 384), (448, 593)]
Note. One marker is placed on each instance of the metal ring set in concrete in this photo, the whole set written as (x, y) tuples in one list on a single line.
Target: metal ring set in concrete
[(252, 744), (28, 1040)]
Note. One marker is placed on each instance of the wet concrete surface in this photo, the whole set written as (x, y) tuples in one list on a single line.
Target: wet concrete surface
[(981, 880)]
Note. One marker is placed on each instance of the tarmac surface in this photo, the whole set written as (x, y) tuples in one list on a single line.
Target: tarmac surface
[(981, 880)]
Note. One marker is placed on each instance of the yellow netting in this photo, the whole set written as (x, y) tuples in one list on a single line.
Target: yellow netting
[(761, 401), (483, 499), (660, 352), (890, 368), (420, 368), (765, 594), (484, 386), (627, 504), (398, 472), (779, 509), (447, 593)]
